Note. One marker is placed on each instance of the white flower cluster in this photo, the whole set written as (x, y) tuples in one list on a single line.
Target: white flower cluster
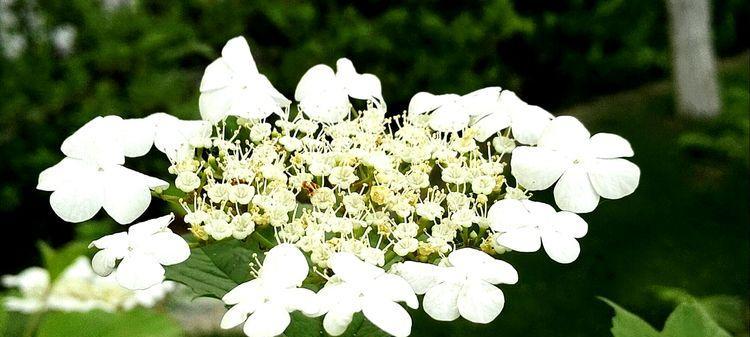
[(78, 288), (384, 207)]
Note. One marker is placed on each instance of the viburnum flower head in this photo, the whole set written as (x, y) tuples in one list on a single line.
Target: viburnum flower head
[(524, 225), (272, 295), (232, 86), (462, 286), (585, 167), (359, 286), (350, 189), (92, 176), (143, 249)]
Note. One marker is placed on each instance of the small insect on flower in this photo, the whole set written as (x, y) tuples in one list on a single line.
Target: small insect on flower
[(309, 187)]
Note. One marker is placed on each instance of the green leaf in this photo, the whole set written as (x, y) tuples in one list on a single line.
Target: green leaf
[(690, 319), (56, 261), (134, 323), (303, 326), (13, 323), (215, 268), (361, 327), (626, 324), (729, 312)]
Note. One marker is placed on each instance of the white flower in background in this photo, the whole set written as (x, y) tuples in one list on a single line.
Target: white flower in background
[(77, 289), (524, 225), (143, 250), (463, 287), (33, 284), (588, 167), (526, 121), (359, 286), (232, 86), (324, 95), (178, 138), (64, 38), (269, 298)]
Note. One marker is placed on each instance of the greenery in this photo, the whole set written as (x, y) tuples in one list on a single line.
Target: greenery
[(713, 316)]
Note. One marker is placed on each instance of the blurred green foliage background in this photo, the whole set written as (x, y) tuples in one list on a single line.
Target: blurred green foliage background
[(687, 226)]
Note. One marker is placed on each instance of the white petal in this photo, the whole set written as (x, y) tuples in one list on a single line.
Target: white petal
[(268, 320), (126, 196), (480, 302), (423, 102), (214, 105), (359, 86), (249, 291), (66, 171), (139, 271), (441, 301), (281, 101), (421, 276), (217, 75), (169, 248), (365, 86), (449, 117), (337, 295), (497, 271), (143, 231), (524, 239), (477, 263), (570, 224), (351, 269), (483, 102), (78, 201), (254, 103), (561, 248), (322, 96), (103, 262), (284, 265), (614, 178), (301, 299), (607, 145), (565, 133), (336, 321), (315, 78), (528, 123), (236, 54), (469, 258), (173, 136), (97, 141), (115, 242), (574, 191), (388, 316), (536, 168), (394, 288), (136, 136), (237, 315), (490, 125), (509, 214)]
